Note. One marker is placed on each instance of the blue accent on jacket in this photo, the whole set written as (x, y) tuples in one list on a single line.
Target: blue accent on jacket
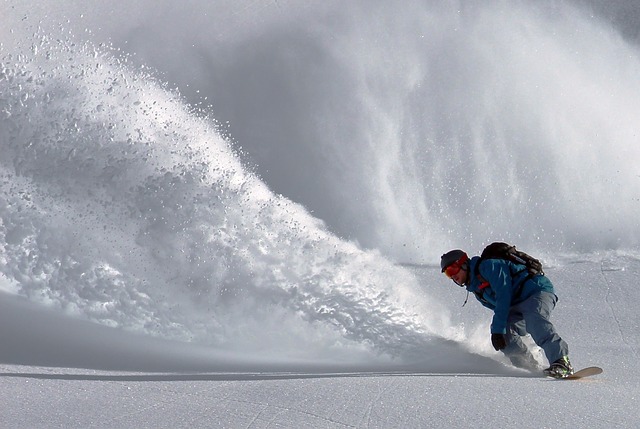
[(508, 285)]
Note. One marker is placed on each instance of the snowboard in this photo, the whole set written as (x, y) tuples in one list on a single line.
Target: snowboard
[(584, 372)]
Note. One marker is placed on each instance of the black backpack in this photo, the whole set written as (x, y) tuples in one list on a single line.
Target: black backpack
[(509, 252)]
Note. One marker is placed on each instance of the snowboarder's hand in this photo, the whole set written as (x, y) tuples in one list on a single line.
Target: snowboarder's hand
[(499, 341)]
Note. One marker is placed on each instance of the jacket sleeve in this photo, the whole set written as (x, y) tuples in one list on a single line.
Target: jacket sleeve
[(497, 273)]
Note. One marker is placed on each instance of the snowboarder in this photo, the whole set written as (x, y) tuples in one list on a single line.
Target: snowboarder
[(521, 303)]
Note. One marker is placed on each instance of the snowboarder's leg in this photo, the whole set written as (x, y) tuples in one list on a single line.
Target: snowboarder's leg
[(517, 352), (536, 312)]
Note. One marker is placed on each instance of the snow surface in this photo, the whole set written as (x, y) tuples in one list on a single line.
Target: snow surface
[(196, 388), (255, 242)]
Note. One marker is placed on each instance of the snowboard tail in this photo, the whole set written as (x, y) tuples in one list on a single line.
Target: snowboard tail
[(584, 372)]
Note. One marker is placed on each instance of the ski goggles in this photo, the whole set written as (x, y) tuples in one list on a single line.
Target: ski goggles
[(452, 269)]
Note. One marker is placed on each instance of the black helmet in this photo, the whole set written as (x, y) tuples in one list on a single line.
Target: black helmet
[(452, 257)]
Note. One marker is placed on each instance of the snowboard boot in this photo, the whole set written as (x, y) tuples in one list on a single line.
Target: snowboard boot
[(560, 369)]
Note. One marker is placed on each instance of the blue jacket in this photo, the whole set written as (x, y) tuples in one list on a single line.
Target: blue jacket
[(507, 286)]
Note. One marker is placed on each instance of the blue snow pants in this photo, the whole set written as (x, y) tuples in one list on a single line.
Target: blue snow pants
[(531, 316)]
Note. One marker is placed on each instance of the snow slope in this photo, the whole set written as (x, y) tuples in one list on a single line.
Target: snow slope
[(596, 314), (230, 213)]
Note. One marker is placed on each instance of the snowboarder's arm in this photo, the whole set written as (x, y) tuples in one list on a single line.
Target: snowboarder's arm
[(497, 273)]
